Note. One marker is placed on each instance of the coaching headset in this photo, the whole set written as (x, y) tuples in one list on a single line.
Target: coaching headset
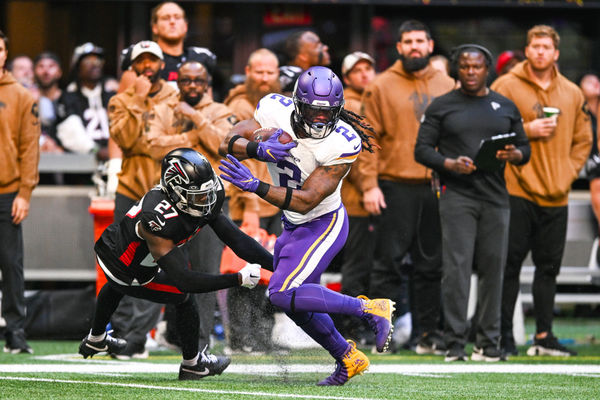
[(459, 49)]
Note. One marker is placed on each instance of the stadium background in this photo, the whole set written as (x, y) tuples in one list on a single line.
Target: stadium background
[(233, 29)]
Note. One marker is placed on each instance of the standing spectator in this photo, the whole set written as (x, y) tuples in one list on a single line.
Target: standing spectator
[(21, 68), (303, 50), (539, 191), (328, 139), (20, 135), (473, 202), (397, 189), (250, 313), (129, 114), (47, 73), (84, 121), (356, 258), (201, 123)]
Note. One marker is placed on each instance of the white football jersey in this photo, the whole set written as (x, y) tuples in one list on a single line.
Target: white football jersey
[(342, 146)]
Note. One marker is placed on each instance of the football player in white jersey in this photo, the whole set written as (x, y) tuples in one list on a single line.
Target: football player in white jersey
[(307, 175)]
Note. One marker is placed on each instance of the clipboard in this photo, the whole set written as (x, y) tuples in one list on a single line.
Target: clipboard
[(485, 159)]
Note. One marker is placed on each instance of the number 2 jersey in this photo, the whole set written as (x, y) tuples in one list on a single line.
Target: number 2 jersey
[(342, 146), (124, 255)]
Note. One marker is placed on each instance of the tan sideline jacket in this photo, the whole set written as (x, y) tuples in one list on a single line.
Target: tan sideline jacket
[(555, 163), (129, 114), (351, 194), (394, 104), (20, 138), (204, 132), (238, 102)]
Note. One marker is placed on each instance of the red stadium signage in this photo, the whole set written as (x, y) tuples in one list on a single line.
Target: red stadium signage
[(286, 15)]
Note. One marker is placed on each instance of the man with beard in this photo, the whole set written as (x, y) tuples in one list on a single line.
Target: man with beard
[(303, 50), (198, 122), (47, 73), (539, 192), (129, 113), (397, 189), (250, 313)]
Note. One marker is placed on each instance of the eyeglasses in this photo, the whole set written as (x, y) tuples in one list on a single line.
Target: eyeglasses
[(188, 81)]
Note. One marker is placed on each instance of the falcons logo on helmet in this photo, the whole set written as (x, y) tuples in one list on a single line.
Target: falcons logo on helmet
[(176, 174)]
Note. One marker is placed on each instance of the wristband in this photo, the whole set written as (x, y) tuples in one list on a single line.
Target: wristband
[(251, 149), (262, 189), (231, 142), (288, 198)]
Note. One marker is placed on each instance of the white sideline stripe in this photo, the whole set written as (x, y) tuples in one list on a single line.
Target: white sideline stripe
[(115, 367), (180, 389)]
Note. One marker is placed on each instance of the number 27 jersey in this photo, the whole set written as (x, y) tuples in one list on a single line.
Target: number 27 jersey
[(342, 146)]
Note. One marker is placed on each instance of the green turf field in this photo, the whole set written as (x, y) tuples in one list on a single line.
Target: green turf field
[(55, 372)]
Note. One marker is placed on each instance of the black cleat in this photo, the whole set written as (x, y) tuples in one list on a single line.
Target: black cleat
[(109, 344), (207, 365)]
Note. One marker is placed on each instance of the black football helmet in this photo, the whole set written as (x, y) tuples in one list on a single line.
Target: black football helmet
[(190, 182)]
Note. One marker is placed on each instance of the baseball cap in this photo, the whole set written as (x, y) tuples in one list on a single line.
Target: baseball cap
[(146, 46), (351, 59), (503, 59)]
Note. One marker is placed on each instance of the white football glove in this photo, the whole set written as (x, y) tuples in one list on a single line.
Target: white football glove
[(250, 275)]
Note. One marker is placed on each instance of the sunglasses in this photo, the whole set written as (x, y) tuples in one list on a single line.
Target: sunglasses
[(188, 81)]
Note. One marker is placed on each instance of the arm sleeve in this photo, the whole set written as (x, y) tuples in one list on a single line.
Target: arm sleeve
[(29, 148), (241, 244), (369, 165), (522, 141), (174, 262), (582, 136), (428, 139)]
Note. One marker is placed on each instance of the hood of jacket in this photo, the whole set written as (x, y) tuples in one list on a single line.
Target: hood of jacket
[(7, 79)]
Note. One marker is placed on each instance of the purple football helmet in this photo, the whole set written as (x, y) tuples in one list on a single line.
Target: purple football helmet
[(318, 100)]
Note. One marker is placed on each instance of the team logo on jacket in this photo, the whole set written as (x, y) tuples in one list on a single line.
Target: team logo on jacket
[(495, 105), (176, 174)]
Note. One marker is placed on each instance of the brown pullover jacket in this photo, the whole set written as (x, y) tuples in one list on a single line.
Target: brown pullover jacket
[(204, 132), (20, 136), (555, 162), (394, 104), (351, 194), (129, 115)]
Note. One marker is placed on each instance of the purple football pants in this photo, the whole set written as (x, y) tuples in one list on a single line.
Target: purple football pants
[(302, 254)]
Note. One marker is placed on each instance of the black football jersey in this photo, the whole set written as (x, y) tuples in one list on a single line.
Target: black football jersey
[(126, 254)]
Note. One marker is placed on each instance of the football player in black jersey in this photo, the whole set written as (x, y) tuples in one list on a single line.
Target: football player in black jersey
[(141, 257)]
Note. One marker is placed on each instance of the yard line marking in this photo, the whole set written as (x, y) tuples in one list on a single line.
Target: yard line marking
[(180, 389), (128, 367)]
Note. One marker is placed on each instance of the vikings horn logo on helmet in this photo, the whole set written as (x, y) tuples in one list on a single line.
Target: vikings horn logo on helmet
[(175, 173)]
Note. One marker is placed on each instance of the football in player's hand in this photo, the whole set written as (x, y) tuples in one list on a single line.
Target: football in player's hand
[(262, 134)]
